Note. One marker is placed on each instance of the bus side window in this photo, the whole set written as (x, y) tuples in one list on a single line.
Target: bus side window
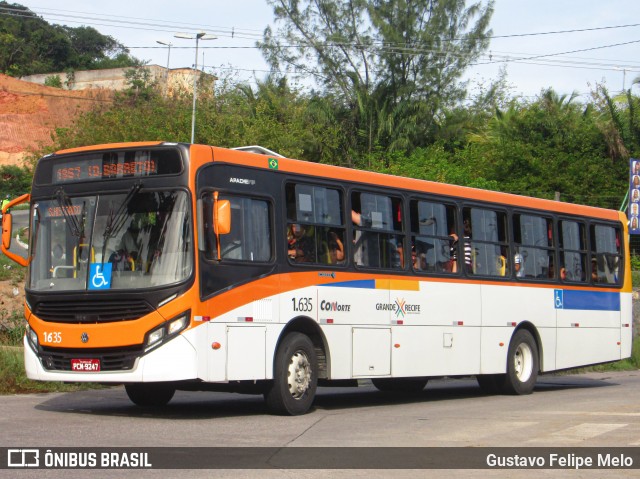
[(250, 235), (432, 242), (378, 236), (489, 242), (534, 246), (572, 243), (315, 224), (605, 254)]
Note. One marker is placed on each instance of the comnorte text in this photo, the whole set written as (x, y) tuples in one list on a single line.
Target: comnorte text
[(334, 306)]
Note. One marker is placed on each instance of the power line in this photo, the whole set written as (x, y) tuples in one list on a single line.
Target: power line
[(577, 30), (145, 21), (546, 55), (246, 34)]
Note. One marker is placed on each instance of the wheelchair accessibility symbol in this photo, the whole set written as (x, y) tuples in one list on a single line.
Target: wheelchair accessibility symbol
[(559, 298), (100, 276)]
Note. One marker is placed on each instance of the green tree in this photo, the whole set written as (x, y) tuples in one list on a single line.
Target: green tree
[(29, 45), (14, 181), (552, 144), (391, 65)]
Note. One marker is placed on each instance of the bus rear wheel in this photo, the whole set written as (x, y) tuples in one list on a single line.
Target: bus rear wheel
[(522, 364), (402, 385), (295, 380), (150, 394)]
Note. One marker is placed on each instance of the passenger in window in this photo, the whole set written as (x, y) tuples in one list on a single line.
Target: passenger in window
[(336, 248), (418, 260), (518, 266), (563, 274), (468, 260), (301, 247), (594, 270)]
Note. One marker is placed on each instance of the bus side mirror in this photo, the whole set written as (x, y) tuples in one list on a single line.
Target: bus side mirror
[(222, 217), (7, 230)]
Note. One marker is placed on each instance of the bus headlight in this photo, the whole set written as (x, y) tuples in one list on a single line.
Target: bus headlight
[(155, 336), (32, 337), (177, 325), (167, 330)]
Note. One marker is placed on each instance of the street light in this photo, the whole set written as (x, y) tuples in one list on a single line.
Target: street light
[(167, 44), (624, 76), (198, 37)]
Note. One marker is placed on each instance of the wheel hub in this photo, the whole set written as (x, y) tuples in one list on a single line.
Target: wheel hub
[(299, 374), (523, 362)]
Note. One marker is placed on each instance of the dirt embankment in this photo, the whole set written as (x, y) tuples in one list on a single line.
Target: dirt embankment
[(29, 113), (11, 299)]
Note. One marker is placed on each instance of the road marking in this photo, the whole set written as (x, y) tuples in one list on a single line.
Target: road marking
[(585, 431), (595, 413), (472, 432)]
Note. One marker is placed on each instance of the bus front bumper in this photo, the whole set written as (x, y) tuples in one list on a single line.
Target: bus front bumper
[(175, 360)]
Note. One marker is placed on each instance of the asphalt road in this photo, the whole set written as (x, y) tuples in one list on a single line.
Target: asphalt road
[(589, 410)]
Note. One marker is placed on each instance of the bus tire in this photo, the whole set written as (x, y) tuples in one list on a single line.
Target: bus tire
[(401, 385), (522, 364), (295, 379), (150, 394)]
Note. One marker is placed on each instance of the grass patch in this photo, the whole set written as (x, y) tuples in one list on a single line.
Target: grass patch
[(10, 270), (12, 327), (13, 379)]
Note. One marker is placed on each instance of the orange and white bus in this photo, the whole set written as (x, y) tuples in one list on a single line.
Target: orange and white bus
[(166, 266)]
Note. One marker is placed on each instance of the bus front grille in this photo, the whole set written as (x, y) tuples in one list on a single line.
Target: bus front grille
[(91, 311), (111, 359)]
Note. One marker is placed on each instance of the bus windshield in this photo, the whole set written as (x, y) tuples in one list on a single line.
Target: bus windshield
[(132, 240)]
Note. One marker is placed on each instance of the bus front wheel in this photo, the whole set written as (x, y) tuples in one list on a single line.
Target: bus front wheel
[(522, 364), (295, 380), (150, 394)]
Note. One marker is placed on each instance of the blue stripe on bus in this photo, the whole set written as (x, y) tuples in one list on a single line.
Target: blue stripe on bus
[(590, 300), (359, 283)]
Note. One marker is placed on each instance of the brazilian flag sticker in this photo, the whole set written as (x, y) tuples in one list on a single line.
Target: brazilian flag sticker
[(273, 164)]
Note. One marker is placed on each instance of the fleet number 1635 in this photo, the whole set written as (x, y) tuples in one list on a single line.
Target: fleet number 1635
[(302, 305), (52, 338)]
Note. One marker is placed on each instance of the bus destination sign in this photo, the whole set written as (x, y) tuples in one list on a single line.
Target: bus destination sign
[(96, 169)]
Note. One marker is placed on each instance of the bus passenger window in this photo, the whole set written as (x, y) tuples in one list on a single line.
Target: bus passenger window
[(489, 249), (433, 243), (378, 237), (315, 225), (605, 254), (572, 242), (534, 244)]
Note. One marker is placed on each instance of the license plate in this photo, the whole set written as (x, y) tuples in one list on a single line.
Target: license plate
[(85, 365)]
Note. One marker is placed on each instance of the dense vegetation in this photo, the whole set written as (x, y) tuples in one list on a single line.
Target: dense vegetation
[(537, 148), (30, 45)]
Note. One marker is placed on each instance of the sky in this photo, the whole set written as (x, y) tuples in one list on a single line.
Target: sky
[(606, 49)]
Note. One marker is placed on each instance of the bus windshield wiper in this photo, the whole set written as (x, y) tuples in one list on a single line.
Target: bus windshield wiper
[(116, 221), (66, 207)]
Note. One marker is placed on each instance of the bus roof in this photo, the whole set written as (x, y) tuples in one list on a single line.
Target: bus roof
[(256, 160), (424, 186)]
